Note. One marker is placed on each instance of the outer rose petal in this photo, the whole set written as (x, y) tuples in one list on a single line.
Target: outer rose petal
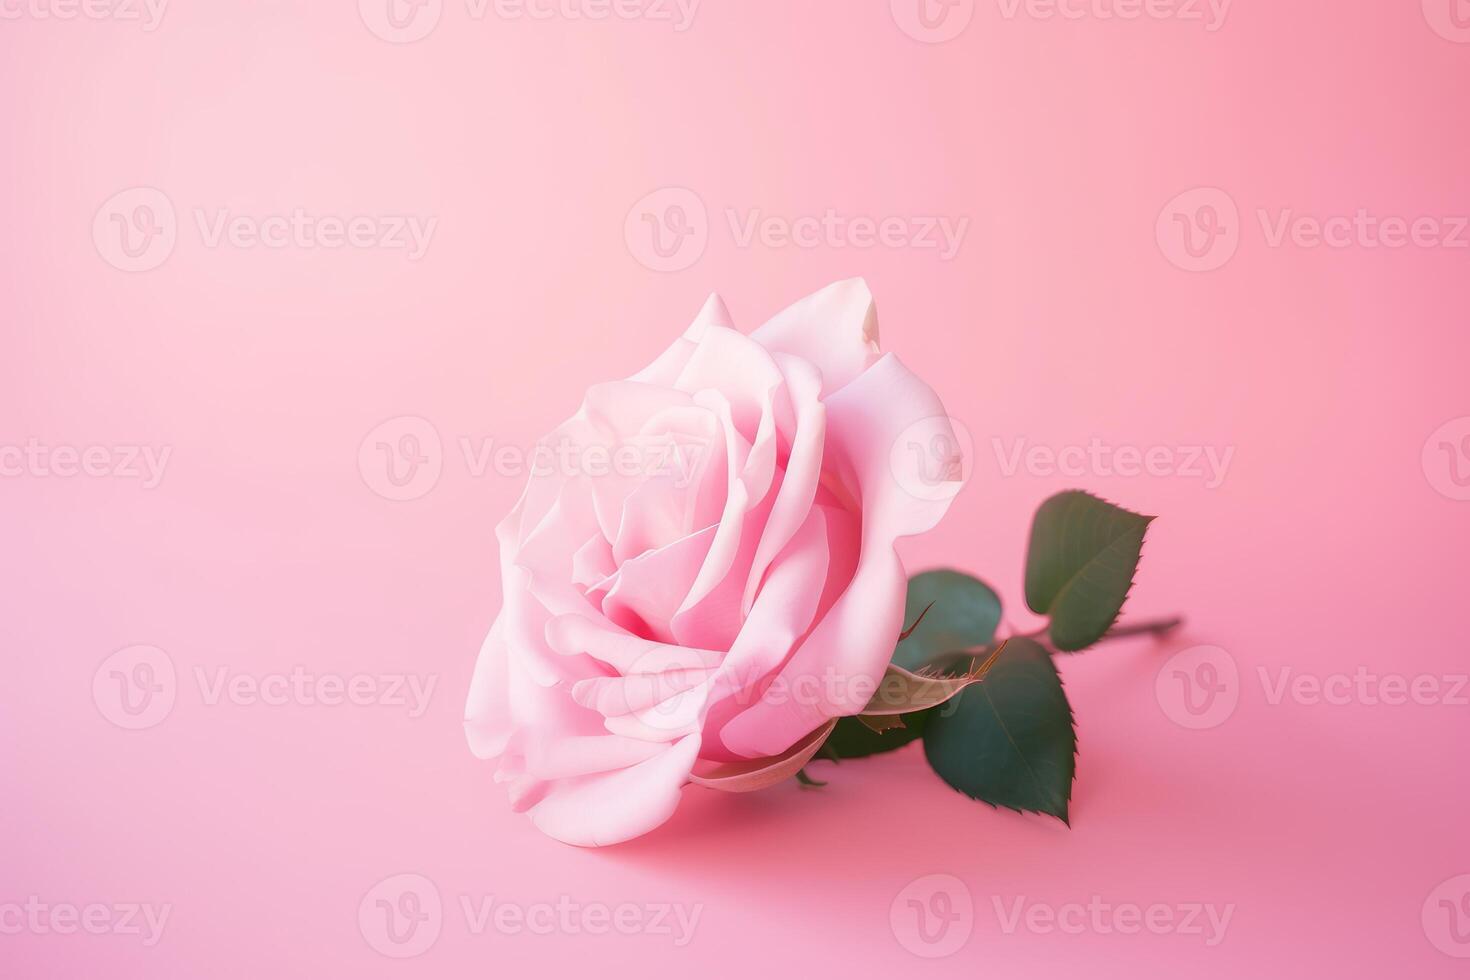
[(611, 807), (835, 328), (487, 719), (665, 369), (836, 669)]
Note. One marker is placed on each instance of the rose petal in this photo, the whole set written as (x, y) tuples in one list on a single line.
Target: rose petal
[(739, 369), (803, 470), (628, 654), (581, 755), (756, 774), (613, 696), (842, 659), (608, 808), (835, 329), (487, 720), (654, 585), (783, 612), (664, 371)]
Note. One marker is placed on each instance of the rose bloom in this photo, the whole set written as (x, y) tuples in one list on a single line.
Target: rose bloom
[(701, 569)]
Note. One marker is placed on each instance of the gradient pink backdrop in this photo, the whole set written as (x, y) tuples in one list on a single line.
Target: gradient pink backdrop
[(1328, 547)]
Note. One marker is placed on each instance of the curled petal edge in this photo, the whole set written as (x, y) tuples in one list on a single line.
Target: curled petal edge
[(747, 777)]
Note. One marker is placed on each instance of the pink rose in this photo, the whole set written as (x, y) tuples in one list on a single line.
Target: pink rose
[(702, 569)]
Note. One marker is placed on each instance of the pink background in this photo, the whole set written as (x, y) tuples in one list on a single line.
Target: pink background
[(1328, 547)]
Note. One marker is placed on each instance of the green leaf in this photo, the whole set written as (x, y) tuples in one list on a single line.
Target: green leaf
[(851, 739), (1084, 553), (963, 614), (1009, 741), (878, 724)]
